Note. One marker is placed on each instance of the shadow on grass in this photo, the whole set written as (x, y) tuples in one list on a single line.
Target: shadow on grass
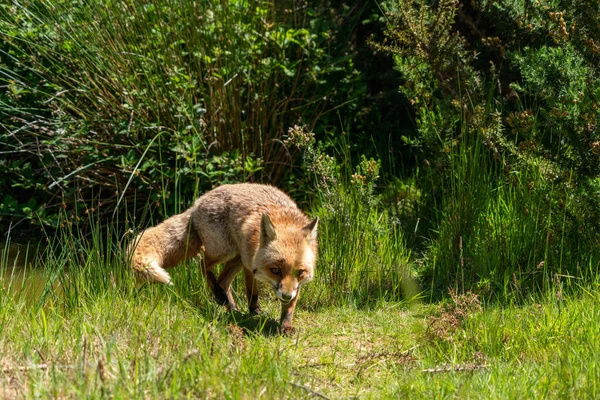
[(199, 298), (253, 324), (256, 324)]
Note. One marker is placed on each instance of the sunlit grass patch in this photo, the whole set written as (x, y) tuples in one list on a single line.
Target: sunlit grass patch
[(156, 341)]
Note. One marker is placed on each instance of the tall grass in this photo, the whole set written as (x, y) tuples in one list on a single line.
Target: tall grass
[(363, 257), (106, 94), (161, 65), (98, 334), (363, 254), (502, 228)]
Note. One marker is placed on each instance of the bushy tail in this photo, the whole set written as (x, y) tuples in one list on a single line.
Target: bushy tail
[(164, 246), (153, 273)]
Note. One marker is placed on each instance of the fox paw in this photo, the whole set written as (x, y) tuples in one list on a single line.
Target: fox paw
[(256, 311), (232, 307), (221, 298), (288, 330)]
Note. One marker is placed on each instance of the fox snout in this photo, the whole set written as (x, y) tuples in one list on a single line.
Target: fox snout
[(287, 288), (285, 295)]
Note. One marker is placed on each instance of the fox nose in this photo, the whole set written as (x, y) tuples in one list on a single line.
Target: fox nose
[(285, 296)]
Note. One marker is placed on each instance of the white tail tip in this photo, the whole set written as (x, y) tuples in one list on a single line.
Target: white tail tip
[(154, 273)]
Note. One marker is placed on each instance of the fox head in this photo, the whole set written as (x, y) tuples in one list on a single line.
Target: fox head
[(286, 256)]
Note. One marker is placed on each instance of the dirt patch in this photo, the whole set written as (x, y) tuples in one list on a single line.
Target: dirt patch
[(405, 357)]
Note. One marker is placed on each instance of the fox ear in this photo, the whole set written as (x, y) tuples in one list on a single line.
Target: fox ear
[(267, 230), (310, 230)]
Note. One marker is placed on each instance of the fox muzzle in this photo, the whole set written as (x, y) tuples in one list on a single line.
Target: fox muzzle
[(286, 297)]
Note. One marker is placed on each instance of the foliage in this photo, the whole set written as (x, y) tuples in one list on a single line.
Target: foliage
[(112, 102), (506, 114), (483, 167), (372, 262)]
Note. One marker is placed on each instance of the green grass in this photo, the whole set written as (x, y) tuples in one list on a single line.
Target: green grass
[(95, 333), (81, 327)]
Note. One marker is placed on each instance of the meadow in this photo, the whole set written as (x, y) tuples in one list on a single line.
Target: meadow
[(85, 329), (450, 149)]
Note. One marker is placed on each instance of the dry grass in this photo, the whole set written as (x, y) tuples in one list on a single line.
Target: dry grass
[(451, 315)]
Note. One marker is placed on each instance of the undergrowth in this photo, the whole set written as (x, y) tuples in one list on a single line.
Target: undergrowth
[(94, 333)]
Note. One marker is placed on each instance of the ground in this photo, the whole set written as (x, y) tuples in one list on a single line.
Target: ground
[(153, 343)]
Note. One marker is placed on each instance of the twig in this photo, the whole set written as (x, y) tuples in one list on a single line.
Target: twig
[(138, 55), (457, 368), (264, 389), (42, 367), (79, 170), (63, 92), (84, 351), (229, 81), (389, 354), (26, 368), (29, 368), (317, 365), (41, 355), (130, 122), (17, 151), (39, 154), (309, 390), (101, 370)]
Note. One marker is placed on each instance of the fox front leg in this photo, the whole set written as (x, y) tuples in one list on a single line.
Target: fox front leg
[(231, 269), (252, 292), (287, 314)]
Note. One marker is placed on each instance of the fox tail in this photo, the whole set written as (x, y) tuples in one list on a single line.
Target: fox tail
[(153, 272)]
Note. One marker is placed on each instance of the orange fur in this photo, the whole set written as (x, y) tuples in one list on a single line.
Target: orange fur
[(251, 226)]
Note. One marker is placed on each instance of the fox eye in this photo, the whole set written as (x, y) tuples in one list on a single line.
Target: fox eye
[(301, 273), (276, 271)]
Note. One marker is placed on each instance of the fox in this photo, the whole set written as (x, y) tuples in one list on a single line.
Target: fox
[(252, 227)]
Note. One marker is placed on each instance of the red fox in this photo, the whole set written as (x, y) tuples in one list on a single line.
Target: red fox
[(253, 227)]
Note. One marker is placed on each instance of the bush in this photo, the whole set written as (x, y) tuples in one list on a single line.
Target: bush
[(113, 103), (362, 252), (505, 96)]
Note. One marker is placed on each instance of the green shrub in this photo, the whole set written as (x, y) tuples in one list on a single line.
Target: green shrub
[(362, 252), (119, 102), (505, 95)]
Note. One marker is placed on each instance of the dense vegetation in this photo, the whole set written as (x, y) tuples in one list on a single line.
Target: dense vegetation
[(487, 158)]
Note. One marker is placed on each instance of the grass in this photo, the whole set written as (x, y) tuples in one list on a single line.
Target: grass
[(94, 333), (91, 331)]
